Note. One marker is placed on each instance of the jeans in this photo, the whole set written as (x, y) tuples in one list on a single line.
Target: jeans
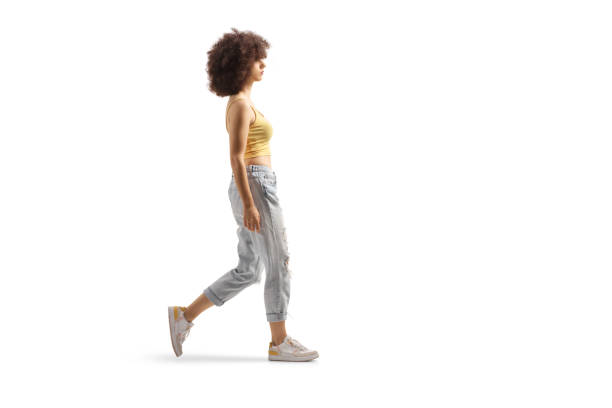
[(256, 250)]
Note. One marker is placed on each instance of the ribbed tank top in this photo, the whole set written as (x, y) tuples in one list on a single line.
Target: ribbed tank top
[(260, 133)]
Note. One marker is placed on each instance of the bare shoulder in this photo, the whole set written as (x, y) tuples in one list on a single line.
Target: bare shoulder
[(238, 110)]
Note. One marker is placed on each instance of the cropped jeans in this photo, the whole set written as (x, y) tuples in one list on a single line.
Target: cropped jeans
[(258, 250)]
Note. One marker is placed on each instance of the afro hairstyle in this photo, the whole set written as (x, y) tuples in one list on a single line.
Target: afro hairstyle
[(230, 60)]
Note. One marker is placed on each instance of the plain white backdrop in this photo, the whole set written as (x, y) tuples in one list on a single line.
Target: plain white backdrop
[(444, 171)]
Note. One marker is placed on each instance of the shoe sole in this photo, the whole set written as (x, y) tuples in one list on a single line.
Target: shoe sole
[(273, 357), (171, 322)]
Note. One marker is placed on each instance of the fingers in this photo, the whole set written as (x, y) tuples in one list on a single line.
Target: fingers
[(253, 225)]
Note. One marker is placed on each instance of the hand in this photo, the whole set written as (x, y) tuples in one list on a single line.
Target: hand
[(251, 218)]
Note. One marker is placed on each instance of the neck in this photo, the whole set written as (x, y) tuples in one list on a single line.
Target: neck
[(246, 91)]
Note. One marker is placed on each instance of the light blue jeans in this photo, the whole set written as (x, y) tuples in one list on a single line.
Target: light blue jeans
[(256, 250)]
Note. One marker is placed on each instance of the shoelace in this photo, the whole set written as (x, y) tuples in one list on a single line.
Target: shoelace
[(296, 343), (185, 334)]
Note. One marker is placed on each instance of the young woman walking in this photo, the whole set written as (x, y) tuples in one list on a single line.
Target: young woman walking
[(235, 62)]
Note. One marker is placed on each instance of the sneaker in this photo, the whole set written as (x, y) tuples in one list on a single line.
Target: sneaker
[(179, 328), (291, 350)]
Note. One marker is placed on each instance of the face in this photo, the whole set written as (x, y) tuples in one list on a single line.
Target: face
[(257, 70)]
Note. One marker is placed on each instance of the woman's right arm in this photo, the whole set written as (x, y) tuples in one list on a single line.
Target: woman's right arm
[(238, 128)]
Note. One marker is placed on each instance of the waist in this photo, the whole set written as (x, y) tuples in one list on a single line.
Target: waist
[(258, 169)]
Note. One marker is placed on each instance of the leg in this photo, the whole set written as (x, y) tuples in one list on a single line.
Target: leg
[(250, 264), (276, 255), (242, 276), (198, 306), (278, 332)]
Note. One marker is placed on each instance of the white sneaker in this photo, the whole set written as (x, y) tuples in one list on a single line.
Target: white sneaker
[(179, 328), (291, 350)]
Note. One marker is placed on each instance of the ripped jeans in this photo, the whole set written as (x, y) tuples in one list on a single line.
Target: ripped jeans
[(256, 250)]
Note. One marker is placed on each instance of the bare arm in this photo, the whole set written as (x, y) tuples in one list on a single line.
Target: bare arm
[(239, 120)]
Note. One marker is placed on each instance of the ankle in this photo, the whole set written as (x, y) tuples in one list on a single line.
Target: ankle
[(276, 342)]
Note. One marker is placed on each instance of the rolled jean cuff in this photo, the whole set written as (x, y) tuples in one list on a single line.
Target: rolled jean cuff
[(276, 317), (213, 298)]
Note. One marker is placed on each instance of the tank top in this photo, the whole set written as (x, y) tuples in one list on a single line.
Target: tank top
[(260, 132)]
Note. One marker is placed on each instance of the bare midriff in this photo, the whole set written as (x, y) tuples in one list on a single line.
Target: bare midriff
[(259, 160)]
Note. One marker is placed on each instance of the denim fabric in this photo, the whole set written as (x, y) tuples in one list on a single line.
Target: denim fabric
[(258, 250)]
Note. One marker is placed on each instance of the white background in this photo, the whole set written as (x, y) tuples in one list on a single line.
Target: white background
[(444, 171)]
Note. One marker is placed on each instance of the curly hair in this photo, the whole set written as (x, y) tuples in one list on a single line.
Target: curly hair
[(230, 60)]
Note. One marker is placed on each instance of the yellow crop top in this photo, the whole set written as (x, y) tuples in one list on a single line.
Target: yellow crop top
[(260, 132)]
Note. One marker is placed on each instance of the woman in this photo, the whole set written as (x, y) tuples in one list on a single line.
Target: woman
[(235, 62)]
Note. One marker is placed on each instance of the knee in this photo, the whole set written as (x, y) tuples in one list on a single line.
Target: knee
[(245, 276)]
